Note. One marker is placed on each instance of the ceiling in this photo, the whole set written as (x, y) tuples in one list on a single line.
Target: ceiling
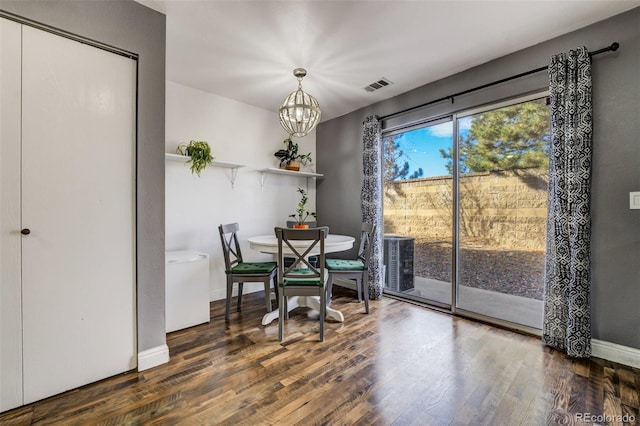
[(247, 50)]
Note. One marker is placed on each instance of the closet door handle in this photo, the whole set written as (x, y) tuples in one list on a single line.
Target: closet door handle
[(25, 231)]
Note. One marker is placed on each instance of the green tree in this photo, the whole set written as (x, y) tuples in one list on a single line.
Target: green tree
[(391, 155), (394, 167), (513, 137)]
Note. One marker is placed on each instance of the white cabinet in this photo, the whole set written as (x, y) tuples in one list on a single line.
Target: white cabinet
[(186, 289), (67, 286)]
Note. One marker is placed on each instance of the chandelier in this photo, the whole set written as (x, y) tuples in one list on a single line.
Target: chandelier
[(299, 112)]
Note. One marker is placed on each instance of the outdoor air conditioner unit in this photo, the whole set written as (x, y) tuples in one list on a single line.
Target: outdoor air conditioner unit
[(398, 259)]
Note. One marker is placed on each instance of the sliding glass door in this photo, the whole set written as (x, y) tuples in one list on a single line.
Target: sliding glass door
[(502, 195), (418, 212), (471, 213)]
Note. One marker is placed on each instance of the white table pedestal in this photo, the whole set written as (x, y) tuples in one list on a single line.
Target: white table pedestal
[(312, 302)]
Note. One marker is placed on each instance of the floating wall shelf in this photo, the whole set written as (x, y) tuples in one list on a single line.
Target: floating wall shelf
[(274, 171), (233, 166)]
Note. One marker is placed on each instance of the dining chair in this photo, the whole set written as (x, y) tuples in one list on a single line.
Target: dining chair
[(357, 269), (313, 259), (301, 278), (239, 271)]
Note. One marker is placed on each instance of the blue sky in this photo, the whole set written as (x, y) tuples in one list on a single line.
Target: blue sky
[(421, 147)]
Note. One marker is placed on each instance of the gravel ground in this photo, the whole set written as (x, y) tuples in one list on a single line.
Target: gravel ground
[(515, 272)]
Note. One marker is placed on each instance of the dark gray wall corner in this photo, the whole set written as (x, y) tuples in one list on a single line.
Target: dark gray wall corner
[(616, 157), (133, 27), (339, 156)]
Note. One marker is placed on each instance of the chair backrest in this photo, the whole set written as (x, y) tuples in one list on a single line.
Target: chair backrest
[(230, 245), (300, 254), (290, 223), (364, 252)]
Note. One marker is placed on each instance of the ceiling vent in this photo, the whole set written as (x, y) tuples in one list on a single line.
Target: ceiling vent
[(383, 82)]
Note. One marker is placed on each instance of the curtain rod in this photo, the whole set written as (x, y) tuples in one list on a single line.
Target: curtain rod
[(611, 48)]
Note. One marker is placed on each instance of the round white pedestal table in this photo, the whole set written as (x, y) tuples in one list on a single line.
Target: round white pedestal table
[(333, 243)]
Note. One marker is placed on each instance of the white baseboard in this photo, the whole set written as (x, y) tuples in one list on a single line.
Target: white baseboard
[(153, 357), (617, 353)]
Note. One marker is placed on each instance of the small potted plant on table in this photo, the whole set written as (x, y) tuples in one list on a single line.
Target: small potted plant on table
[(289, 157), (301, 214)]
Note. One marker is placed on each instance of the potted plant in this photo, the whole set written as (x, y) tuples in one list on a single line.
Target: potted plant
[(301, 214), (289, 157), (200, 153)]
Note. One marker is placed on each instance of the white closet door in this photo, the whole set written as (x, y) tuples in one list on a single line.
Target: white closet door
[(10, 290), (78, 202)]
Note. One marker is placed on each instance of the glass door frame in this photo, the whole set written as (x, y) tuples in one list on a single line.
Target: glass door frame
[(403, 128), (455, 273), (455, 255)]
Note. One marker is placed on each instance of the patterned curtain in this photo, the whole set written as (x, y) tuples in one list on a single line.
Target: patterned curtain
[(372, 199), (567, 323)]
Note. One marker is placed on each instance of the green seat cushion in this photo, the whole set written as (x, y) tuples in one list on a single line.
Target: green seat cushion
[(344, 265), (311, 281), (253, 268)]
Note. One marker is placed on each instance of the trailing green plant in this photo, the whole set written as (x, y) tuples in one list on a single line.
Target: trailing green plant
[(200, 153), (290, 153), (301, 214)]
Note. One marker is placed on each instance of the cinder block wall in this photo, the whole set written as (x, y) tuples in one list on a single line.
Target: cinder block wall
[(506, 209)]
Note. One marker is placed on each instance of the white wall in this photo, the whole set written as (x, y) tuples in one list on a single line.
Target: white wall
[(195, 206)]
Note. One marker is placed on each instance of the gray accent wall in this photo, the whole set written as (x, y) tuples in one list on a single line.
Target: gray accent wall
[(616, 156), (128, 25)]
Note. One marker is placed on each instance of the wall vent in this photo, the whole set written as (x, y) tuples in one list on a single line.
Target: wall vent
[(383, 82)]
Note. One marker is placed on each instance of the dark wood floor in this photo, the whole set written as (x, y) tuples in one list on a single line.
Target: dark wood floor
[(400, 365)]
